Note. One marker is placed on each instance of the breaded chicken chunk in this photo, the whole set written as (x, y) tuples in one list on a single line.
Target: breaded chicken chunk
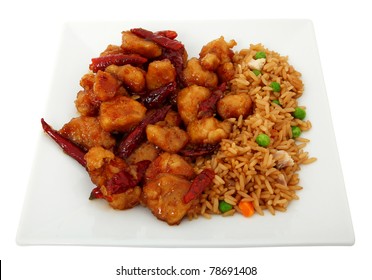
[(105, 86), (102, 165), (147, 151), (85, 103), (188, 101), (217, 56), (87, 132), (160, 73), (216, 52), (131, 43), (132, 77), (170, 139), (208, 131), (234, 105), (121, 114), (127, 199), (164, 197), (195, 74), (172, 164)]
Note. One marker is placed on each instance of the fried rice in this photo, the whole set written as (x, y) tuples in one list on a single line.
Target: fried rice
[(266, 176)]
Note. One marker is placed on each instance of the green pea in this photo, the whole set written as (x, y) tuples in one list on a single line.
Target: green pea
[(275, 86), (263, 140), (256, 72), (260, 55), (276, 101), (224, 206), (299, 113), (296, 131)]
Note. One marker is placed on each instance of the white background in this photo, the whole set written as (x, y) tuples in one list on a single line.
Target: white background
[(30, 34)]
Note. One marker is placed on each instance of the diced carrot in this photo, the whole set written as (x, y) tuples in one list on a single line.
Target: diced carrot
[(247, 208)]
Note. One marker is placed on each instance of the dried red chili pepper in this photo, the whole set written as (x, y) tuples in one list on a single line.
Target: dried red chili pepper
[(100, 63), (141, 170), (96, 194), (138, 135), (66, 144), (156, 38), (157, 97), (197, 151), (121, 182), (176, 58), (167, 33), (207, 108), (200, 183)]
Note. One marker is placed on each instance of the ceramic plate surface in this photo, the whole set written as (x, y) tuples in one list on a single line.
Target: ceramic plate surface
[(57, 210)]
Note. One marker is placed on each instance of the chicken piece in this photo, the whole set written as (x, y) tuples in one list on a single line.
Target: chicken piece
[(208, 131), (226, 72), (112, 49), (97, 88), (87, 81), (172, 119), (164, 197), (210, 61), (281, 180), (257, 64), (188, 101), (102, 165), (172, 164), (133, 77), (216, 50), (131, 43), (127, 199), (96, 157), (85, 103), (147, 151), (283, 159), (234, 105), (217, 56), (160, 73), (194, 74), (105, 86), (122, 91), (170, 139), (87, 133), (121, 114)]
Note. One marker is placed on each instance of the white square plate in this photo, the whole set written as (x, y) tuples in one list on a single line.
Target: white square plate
[(57, 209)]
